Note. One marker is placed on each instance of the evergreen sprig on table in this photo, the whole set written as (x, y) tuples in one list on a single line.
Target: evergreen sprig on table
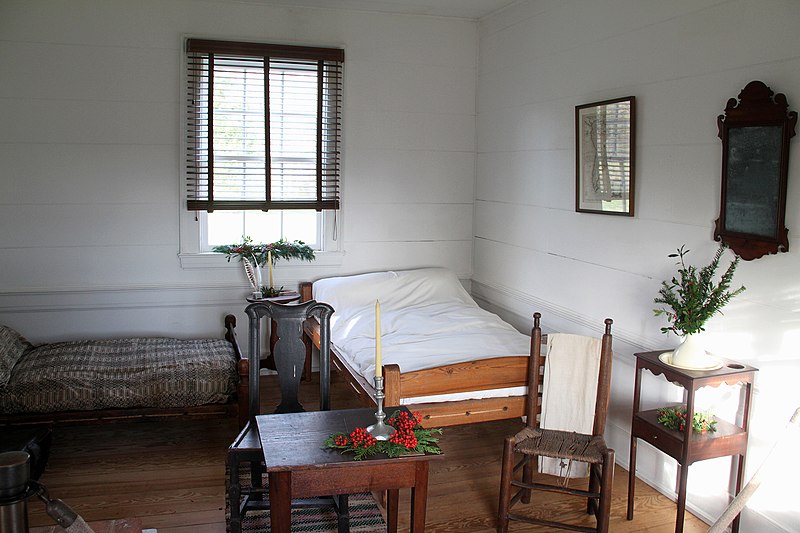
[(409, 437), (281, 249), (675, 418)]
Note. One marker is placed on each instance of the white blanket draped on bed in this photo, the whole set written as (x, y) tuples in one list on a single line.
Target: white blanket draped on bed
[(427, 320)]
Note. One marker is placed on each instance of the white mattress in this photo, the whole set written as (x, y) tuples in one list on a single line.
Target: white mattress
[(427, 320)]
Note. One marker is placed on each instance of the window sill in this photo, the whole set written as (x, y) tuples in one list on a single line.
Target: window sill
[(207, 260)]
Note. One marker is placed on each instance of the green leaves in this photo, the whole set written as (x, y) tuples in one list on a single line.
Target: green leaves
[(676, 417), (281, 249), (693, 297), (409, 437)]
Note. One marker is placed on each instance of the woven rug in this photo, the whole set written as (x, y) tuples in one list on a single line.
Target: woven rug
[(365, 516)]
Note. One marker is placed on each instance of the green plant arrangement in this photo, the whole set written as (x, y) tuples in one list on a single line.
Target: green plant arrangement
[(270, 292), (676, 417), (281, 249), (693, 296), (254, 256), (409, 437)]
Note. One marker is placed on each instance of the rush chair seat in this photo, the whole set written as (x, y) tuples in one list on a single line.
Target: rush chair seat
[(534, 442), (290, 354)]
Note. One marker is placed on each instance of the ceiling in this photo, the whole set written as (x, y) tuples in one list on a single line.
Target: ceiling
[(471, 9)]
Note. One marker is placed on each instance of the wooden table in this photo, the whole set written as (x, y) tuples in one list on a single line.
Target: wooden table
[(299, 467), (689, 446)]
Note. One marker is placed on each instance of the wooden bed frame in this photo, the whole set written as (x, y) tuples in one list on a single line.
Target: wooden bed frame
[(485, 374), (237, 406)]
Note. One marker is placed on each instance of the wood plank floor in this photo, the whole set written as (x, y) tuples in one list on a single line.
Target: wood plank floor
[(171, 476)]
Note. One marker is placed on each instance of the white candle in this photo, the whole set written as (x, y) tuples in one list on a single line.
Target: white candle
[(378, 355), (269, 262)]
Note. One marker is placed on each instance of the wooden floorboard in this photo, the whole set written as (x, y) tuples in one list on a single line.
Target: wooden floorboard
[(171, 475)]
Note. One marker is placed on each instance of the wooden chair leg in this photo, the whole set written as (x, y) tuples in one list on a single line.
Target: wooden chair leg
[(595, 471), (531, 462), (256, 481), (343, 513), (234, 496), (606, 483), (506, 474)]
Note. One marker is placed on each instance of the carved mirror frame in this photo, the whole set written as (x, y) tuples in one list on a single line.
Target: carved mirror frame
[(755, 133)]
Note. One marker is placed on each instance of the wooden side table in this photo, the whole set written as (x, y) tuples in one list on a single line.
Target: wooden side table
[(299, 467), (689, 446)]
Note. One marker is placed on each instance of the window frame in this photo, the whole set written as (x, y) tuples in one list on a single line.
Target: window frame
[(207, 64), (193, 224)]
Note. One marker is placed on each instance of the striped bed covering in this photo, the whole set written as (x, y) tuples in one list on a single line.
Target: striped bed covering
[(120, 373)]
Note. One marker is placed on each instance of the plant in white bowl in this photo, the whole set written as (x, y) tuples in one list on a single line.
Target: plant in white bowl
[(689, 300)]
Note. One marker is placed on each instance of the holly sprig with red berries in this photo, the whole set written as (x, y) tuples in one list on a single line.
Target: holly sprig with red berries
[(409, 437), (676, 418)]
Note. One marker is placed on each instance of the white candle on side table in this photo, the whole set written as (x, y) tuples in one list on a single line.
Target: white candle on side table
[(378, 355), (379, 430)]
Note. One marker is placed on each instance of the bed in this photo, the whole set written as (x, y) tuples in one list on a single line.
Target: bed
[(442, 354), (121, 379)]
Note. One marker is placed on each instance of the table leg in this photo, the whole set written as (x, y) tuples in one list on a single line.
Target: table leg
[(392, 503), (280, 501), (637, 390), (739, 479), (632, 478), (419, 498), (682, 478), (683, 463)]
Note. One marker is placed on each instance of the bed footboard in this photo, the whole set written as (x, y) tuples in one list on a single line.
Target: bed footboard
[(486, 374), (242, 371)]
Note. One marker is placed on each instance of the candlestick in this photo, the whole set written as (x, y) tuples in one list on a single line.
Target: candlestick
[(380, 430), (269, 262), (378, 354)]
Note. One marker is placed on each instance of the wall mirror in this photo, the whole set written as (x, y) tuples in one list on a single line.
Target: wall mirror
[(604, 156), (755, 133)]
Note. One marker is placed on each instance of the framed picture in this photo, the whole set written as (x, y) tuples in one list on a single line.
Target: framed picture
[(604, 156)]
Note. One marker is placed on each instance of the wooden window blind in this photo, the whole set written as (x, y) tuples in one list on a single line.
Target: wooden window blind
[(263, 126)]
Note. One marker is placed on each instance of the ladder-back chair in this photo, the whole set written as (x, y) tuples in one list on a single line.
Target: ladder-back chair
[(290, 354), (534, 442)]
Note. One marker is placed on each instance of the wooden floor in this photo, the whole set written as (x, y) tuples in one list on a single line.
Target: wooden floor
[(171, 476)]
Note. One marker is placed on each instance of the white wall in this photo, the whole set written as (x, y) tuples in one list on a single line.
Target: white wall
[(90, 189), (89, 181), (682, 60)]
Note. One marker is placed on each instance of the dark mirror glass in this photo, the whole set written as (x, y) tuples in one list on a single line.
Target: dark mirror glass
[(754, 171)]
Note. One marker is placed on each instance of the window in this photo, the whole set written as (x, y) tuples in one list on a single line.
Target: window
[(263, 127)]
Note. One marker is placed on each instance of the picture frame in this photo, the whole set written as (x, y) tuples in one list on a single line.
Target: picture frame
[(605, 148)]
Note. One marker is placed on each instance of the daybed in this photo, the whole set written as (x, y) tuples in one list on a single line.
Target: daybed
[(103, 380), (442, 354)]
